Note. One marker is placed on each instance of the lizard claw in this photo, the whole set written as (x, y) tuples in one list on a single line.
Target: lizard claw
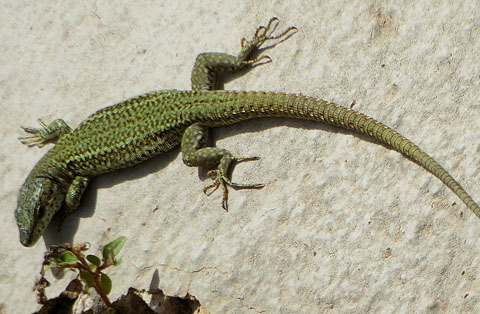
[(219, 180), (264, 33), (260, 61)]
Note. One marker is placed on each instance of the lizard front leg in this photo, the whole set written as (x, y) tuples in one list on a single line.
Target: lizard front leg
[(74, 194), (45, 133)]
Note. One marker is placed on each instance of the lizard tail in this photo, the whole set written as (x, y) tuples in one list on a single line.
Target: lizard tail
[(350, 119), (298, 106)]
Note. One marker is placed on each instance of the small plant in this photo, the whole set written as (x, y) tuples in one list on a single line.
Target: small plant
[(91, 267)]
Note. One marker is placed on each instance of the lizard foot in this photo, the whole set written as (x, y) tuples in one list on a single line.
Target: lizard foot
[(45, 133), (222, 180), (262, 34)]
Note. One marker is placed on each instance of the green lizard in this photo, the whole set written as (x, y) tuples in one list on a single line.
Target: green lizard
[(145, 126)]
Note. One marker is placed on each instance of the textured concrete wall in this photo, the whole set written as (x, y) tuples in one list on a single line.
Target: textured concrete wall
[(343, 224)]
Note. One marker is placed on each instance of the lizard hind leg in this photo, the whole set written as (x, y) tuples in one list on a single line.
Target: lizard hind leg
[(196, 153), (208, 65)]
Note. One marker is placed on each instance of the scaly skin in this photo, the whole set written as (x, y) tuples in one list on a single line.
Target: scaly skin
[(142, 127)]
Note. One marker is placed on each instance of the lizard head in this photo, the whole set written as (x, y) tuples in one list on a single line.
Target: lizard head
[(39, 199)]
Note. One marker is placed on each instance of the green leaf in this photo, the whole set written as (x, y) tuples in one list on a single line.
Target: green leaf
[(105, 283), (69, 258), (47, 266), (94, 260), (117, 262), (115, 246), (86, 277)]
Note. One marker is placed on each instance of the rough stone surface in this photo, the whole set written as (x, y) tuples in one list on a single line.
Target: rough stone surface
[(343, 225)]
